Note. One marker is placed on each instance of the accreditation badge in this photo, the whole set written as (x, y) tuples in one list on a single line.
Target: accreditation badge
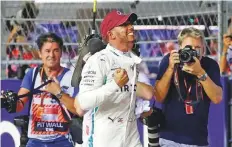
[(188, 107)]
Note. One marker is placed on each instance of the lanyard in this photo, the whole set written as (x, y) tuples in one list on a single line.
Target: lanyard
[(42, 73), (188, 88), (199, 93)]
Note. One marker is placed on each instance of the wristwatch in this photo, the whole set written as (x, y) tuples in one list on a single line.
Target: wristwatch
[(59, 95), (203, 77)]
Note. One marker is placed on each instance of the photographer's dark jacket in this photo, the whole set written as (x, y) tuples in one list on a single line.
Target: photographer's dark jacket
[(50, 124), (181, 127)]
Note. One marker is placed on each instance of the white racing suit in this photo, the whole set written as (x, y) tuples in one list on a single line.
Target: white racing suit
[(110, 119)]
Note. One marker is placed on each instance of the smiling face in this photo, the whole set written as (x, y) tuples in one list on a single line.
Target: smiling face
[(50, 54), (126, 31), (124, 35)]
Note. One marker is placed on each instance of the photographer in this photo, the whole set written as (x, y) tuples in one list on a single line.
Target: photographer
[(186, 83), (48, 125)]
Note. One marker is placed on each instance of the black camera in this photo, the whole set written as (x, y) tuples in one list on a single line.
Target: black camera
[(9, 101), (187, 53), (22, 122), (155, 122)]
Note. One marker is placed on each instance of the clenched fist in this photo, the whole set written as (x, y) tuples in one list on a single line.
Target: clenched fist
[(121, 77)]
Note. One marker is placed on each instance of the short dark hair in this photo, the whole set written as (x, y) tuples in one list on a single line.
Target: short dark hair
[(49, 37)]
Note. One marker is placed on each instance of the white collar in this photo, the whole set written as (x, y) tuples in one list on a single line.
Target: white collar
[(130, 54)]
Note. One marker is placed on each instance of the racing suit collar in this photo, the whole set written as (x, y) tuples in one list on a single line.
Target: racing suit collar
[(128, 54)]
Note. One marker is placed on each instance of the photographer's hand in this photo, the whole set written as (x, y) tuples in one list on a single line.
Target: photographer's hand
[(227, 41), (194, 68), (213, 91), (161, 87), (173, 59), (53, 87)]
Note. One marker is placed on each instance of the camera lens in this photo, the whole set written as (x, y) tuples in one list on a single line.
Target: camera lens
[(185, 57)]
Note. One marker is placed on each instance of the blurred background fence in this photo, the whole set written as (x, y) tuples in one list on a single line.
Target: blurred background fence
[(156, 29)]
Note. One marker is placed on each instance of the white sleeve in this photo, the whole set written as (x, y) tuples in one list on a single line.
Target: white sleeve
[(142, 105), (92, 90)]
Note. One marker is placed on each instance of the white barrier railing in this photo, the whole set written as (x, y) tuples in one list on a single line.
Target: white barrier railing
[(73, 61)]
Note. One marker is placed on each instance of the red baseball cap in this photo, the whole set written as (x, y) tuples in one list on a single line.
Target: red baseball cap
[(114, 19)]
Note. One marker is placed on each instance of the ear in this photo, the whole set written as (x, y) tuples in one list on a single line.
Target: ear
[(111, 35)]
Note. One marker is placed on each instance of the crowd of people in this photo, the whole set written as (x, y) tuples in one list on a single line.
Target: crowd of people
[(107, 96)]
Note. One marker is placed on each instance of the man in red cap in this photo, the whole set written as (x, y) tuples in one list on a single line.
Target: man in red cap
[(109, 87)]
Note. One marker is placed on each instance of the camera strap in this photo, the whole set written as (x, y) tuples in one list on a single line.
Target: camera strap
[(44, 78), (36, 90), (199, 93), (32, 88), (66, 117)]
